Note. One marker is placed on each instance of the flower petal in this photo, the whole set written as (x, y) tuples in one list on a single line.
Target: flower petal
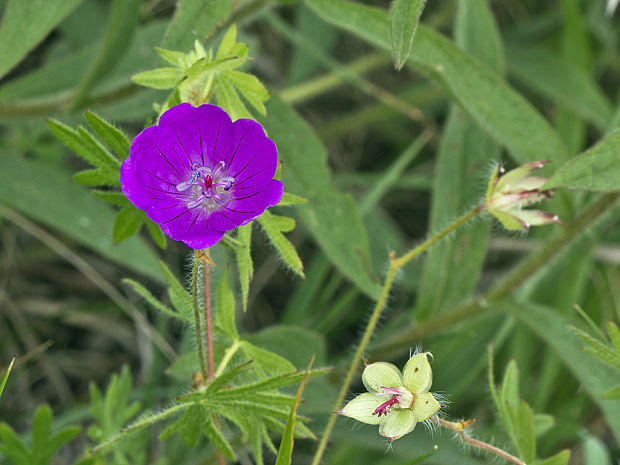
[(242, 210), (397, 423), (381, 374), (202, 135), (253, 157), (362, 408), (424, 405), (417, 374)]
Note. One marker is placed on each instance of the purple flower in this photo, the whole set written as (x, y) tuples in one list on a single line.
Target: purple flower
[(197, 174)]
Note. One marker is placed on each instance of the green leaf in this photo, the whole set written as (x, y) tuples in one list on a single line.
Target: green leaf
[(330, 216), (245, 266), (128, 222), (225, 378), (599, 349), (50, 197), (404, 18), (13, 447), (204, 67), (285, 453), (152, 300), (180, 298), (225, 307), (269, 361), (228, 43), (229, 100), (113, 197), (566, 84), (613, 393), (172, 57), (285, 249), (160, 78), (477, 33), (156, 233), (25, 24), (449, 274), (498, 109), (107, 159), (251, 88), (218, 439), (614, 334), (510, 384), (269, 384), (561, 458), (595, 451), (84, 144), (111, 135), (542, 423), (195, 20), (98, 177), (119, 31), (524, 431), (291, 199), (597, 169), (593, 376), (6, 376)]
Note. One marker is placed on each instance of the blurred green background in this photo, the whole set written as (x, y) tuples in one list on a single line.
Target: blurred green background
[(385, 157)]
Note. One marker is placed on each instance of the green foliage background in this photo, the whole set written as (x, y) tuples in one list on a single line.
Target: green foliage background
[(385, 159)]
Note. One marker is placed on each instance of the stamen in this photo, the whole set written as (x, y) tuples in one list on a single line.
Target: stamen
[(385, 407)]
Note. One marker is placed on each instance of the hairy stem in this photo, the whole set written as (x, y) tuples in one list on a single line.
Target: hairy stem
[(510, 283), (460, 427), (395, 265), (201, 357), (208, 319)]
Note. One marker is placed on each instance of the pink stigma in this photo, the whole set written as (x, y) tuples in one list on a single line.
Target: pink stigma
[(208, 182), (385, 407)]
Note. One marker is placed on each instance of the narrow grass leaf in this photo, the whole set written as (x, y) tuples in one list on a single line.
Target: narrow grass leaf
[(285, 453), (194, 20), (120, 27), (6, 376), (404, 18), (51, 198), (497, 108), (25, 24)]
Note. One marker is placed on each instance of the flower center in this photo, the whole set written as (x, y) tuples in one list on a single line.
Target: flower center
[(209, 188), (401, 397)]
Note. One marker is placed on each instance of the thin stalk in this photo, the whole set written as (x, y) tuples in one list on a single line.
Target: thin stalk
[(329, 81), (460, 426), (346, 74), (201, 357), (226, 358), (208, 318), (395, 265), (510, 283)]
